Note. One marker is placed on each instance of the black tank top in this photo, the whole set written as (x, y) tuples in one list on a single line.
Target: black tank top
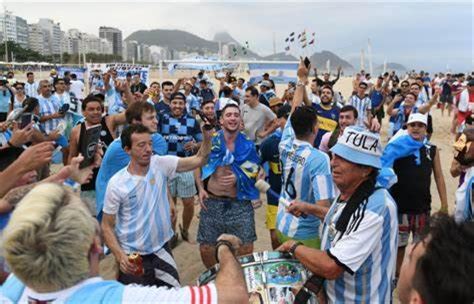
[(412, 191), (106, 139)]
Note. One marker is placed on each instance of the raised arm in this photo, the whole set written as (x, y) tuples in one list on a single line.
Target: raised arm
[(300, 91), (339, 68), (427, 106), (190, 163), (390, 109)]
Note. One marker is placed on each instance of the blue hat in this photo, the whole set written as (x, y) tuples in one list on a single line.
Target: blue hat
[(360, 146)]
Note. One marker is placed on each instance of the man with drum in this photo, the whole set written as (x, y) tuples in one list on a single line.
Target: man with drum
[(359, 236)]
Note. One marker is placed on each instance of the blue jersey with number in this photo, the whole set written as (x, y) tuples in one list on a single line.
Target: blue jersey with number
[(306, 177)]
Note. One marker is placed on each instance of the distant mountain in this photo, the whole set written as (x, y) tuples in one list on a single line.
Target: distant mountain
[(224, 37), (319, 60), (391, 66), (175, 40), (280, 57), (178, 40)]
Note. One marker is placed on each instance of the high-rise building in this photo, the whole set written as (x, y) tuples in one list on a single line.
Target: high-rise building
[(114, 36), (52, 35), (22, 32), (36, 39), (8, 26), (132, 51), (145, 53), (14, 28), (106, 47), (66, 43)]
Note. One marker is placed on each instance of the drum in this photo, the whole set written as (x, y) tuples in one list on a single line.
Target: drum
[(272, 277)]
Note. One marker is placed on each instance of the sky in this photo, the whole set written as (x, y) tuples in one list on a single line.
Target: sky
[(429, 35)]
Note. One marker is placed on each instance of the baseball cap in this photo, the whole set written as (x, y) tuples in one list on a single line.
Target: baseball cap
[(359, 146), (53, 71), (266, 83), (471, 83), (178, 95), (418, 117), (274, 101)]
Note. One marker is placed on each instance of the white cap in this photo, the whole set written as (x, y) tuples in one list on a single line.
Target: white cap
[(418, 117)]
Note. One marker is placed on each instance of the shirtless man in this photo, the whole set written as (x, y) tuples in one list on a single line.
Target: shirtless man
[(226, 188)]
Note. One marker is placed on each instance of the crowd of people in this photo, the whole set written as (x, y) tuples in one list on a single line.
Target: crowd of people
[(358, 215)]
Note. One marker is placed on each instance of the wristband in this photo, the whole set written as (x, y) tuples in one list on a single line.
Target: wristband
[(225, 243), (72, 184), (293, 248)]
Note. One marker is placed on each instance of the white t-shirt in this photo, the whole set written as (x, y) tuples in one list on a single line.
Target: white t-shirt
[(77, 87), (314, 98), (255, 119), (223, 101), (141, 206), (132, 294)]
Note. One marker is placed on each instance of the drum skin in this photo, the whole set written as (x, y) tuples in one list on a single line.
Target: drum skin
[(272, 277)]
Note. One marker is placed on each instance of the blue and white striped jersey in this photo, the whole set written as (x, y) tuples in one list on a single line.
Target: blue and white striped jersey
[(367, 250), (141, 206), (362, 105), (306, 177), (31, 89), (49, 106)]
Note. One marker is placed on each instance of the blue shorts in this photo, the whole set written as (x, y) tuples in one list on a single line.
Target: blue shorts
[(226, 215), (183, 185)]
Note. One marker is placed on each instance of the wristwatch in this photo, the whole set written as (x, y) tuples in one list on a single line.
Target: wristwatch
[(293, 248), (225, 243), (300, 83)]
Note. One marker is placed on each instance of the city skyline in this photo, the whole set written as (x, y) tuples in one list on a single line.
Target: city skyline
[(417, 40)]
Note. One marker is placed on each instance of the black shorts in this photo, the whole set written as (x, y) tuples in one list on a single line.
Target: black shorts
[(446, 99)]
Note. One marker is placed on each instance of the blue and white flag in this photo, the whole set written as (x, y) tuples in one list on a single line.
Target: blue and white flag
[(122, 70), (401, 145), (279, 72), (73, 70), (200, 63)]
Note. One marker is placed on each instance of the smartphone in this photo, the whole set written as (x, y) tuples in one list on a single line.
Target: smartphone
[(208, 125), (306, 62), (25, 120), (89, 145), (64, 108)]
